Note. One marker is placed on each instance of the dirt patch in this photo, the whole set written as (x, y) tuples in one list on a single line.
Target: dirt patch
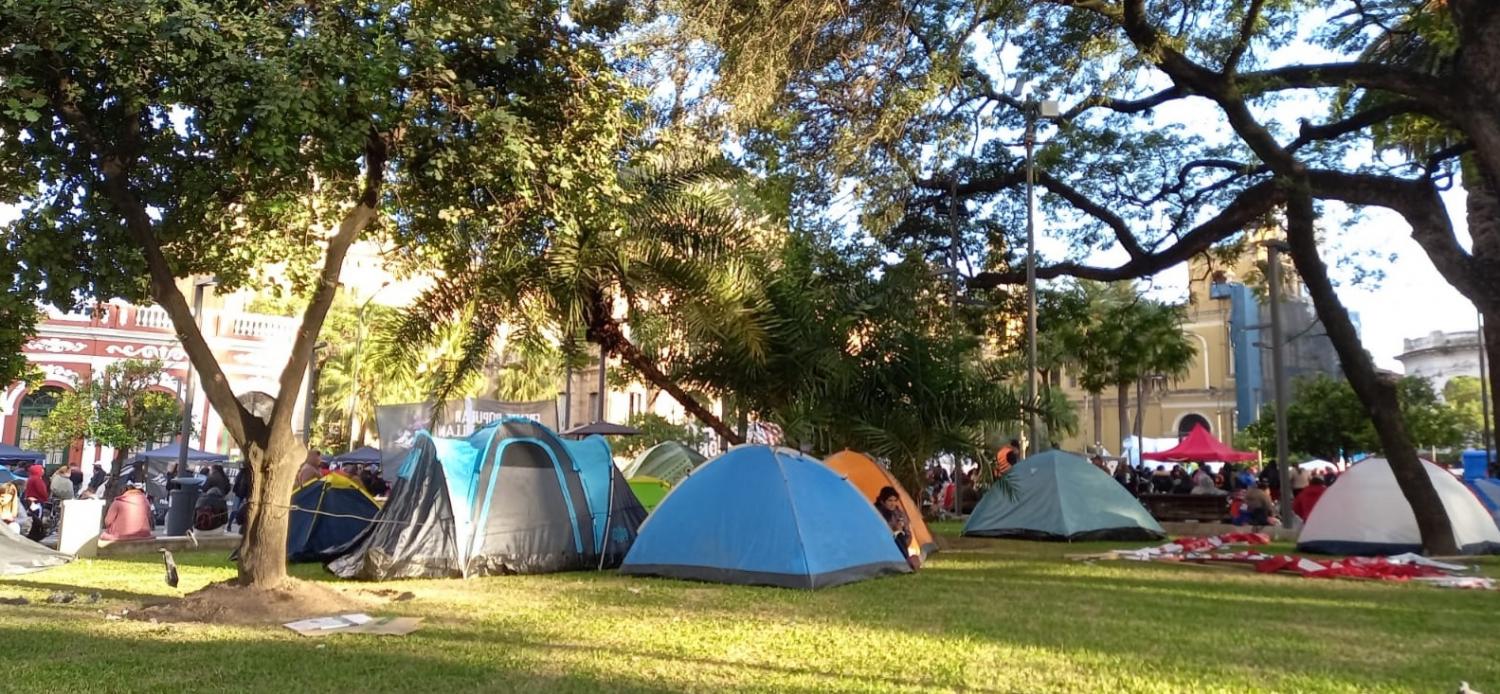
[(227, 603)]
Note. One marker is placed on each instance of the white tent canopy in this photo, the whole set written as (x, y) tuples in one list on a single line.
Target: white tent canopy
[(1364, 512)]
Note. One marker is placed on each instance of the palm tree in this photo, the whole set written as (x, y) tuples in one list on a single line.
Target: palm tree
[(680, 243)]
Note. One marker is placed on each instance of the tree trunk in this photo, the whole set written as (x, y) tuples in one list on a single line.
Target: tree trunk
[(1123, 392), (1140, 406), (1491, 352), (116, 484), (1095, 398), (274, 463), (1378, 395), (608, 335)]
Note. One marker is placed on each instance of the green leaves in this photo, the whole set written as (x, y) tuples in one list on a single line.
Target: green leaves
[(123, 407)]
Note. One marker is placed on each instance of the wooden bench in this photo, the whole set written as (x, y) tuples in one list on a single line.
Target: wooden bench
[(1207, 508)]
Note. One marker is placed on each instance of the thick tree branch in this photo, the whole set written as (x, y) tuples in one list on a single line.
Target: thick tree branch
[(1251, 204), (349, 230), (1242, 41), (1122, 231), (114, 172)]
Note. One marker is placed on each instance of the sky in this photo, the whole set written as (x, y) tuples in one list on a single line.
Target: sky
[(1410, 301)]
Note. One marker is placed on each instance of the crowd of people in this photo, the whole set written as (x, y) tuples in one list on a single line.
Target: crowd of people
[(1253, 492), (31, 507)]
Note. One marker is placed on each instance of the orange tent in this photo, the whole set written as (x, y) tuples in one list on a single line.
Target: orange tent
[(868, 477)]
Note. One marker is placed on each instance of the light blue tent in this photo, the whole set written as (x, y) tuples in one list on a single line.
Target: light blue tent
[(765, 516), (1061, 496)]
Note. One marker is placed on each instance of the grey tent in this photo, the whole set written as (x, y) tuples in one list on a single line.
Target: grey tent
[(19, 555), (668, 461), (1061, 496)]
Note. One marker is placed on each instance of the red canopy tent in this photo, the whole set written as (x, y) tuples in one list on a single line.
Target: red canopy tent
[(1200, 447)]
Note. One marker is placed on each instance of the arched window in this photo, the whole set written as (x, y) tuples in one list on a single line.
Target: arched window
[(1186, 424), (34, 408)]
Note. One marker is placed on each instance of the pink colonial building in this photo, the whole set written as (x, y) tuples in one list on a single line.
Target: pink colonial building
[(70, 347)]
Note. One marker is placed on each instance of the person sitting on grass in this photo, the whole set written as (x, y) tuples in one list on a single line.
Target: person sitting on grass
[(888, 503), (1259, 505)]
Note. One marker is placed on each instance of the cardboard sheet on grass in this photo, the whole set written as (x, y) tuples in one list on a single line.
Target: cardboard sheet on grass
[(355, 623), (1227, 550)]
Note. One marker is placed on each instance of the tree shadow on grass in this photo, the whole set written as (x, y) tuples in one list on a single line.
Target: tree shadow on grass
[(273, 663), (82, 591), (637, 654)]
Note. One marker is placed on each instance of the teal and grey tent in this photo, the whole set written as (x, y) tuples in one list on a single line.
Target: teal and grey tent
[(513, 497), (668, 461), (1061, 496)]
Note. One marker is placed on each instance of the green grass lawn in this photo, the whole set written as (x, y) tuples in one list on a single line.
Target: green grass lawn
[(995, 616)]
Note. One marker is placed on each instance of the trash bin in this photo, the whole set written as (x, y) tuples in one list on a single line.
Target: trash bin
[(180, 505)]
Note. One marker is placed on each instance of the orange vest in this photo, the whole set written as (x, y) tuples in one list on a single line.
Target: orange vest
[(1002, 464)]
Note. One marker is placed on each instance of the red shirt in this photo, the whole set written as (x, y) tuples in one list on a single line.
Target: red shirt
[(36, 484), (1307, 499)]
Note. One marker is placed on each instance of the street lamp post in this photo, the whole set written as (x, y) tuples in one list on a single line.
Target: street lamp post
[(359, 343), (1274, 249), (188, 388), (312, 387), (1033, 110), (1484, 401)]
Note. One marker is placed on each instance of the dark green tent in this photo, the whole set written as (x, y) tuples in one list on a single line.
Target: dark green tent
[(1061, 496), (669, 462)]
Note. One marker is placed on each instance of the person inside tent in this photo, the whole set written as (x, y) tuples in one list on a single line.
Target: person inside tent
[(888, 503), (10, 507), (129, 517), (1305, 500)]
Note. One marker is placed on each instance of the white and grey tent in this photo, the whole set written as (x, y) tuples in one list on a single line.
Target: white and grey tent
[(1365, 513), (19, 555), (1061, 496)]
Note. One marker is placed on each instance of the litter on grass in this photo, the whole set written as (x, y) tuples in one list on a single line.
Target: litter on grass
[(1231, 548), (355, 623)]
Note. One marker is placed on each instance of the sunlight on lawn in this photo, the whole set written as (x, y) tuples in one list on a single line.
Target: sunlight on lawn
[(1008, 616)]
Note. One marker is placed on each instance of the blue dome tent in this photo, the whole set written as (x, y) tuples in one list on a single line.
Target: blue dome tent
[(513, 497), (327, 513), (765, 516)]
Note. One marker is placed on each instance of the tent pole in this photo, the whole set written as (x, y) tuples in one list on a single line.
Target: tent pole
[(609, 516)]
